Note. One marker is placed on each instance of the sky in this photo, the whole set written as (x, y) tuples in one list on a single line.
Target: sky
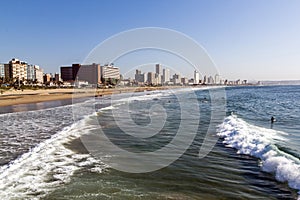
[(246, 39)]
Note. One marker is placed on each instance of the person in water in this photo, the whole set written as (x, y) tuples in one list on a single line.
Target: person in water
[(273, 119)]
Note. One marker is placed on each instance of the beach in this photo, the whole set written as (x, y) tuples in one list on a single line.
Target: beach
[(16, 97)]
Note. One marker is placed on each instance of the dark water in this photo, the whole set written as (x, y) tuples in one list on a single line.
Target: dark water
[(42, 157)]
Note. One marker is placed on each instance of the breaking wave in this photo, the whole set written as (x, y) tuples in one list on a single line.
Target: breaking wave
[(261, 143)]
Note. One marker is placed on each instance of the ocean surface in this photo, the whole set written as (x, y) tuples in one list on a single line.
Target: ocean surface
[(76, 151)]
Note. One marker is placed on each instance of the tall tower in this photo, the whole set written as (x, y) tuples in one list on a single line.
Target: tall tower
[(151, 78), (217, 79), (196, 77), (158, 69), (166, 76)]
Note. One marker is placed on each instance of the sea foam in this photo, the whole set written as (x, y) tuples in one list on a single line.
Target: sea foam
[(261, 143), (46, 166)]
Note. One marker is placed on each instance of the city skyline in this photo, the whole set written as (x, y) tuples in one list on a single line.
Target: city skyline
[(161, 75), (29, 74), (254, 40)]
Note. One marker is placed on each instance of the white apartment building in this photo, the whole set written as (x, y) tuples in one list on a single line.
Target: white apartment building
[(2, 70), (38, 74), (166, 76), (17, 69), (196, 77)]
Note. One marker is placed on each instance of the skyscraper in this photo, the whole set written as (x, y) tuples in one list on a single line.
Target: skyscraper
[(217, 79), (158, 69), (204, 80), (151, 78), (176, 79), (196, 77), (2, 71), (157, 78), (166, 76), (38, 74), (210, 80), (139, 76)]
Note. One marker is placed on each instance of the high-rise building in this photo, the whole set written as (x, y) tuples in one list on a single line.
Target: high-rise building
[(6, 71), (75, 69), (166, 76), (66, 73), (204, 79), (138, 71), (47, 78), (210, 80), (217, 79), (139, 77), (38, 74), (151, 78), (57, 77), (158, 69), (2, 70), (110, 72), (30, 73), (184, 81), (90, 73), (16, 69), (196, 77), (176, 79), (157, 78)]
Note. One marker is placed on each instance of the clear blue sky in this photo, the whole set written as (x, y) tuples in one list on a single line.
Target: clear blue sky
[(248, 39)]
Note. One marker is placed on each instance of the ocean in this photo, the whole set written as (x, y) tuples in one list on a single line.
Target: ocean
[(169, 144)]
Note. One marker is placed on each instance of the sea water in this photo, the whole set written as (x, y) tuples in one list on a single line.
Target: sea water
[(43, 157)]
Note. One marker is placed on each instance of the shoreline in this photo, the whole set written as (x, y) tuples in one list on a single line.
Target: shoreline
[(11, 98), (18, 97)]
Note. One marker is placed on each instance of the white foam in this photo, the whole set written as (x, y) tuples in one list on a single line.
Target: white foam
[(260, 142), (147, 96), (107, 108), (46, 166)]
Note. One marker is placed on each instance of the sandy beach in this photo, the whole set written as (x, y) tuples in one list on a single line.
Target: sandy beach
[(15, 97)]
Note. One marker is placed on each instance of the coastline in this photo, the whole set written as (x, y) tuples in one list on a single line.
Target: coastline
[(17, 97), (13, 97)]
